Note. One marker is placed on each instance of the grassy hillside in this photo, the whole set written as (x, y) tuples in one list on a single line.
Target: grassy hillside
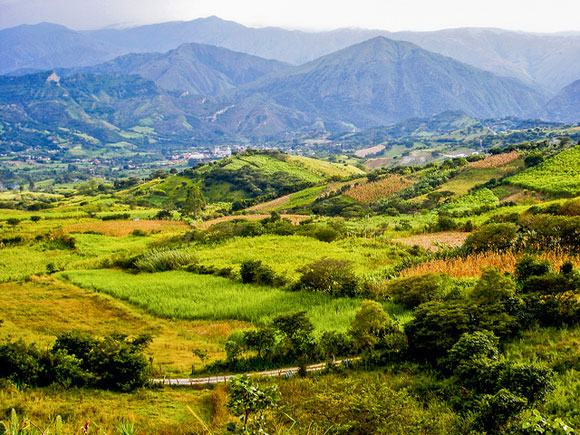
[(559, 175)]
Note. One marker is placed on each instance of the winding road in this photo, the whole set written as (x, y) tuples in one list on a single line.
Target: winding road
[(223, 379)]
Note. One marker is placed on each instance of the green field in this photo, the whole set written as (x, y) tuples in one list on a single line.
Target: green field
[(559, 175), (285, 254), (182, 295)]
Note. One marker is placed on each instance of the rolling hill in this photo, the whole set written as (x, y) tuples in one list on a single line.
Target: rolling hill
[(245, 176)]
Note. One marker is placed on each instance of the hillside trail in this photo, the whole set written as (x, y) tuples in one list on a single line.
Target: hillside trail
[(286, 372)]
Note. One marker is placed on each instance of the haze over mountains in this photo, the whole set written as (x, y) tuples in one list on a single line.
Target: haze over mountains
[(198, 90), (549, 60)]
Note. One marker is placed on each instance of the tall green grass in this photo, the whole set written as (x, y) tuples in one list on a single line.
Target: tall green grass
[(163, 260), (184, 295)]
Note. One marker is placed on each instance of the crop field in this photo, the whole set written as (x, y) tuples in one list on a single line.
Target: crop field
[(182, 295), (559, 175), (496, 161), (472, 265), (125, 228), (383, 188), (480, 200), (285, 254), (469, 178), (434, 241)]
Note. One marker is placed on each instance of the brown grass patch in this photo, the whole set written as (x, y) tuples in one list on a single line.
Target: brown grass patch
[(125, 228), (430, 241), (495, 161), (294, 218), (472, 265), (383, 188)]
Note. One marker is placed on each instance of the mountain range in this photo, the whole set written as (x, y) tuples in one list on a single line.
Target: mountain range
[(198, 92), (551, 61)]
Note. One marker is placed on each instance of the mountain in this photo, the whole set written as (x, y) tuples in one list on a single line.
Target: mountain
[(96, 110), (47, 46), (195, 68), (565, 107), (548, 60), (382, 81)]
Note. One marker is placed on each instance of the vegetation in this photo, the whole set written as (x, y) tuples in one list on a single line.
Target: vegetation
[(474, 331)]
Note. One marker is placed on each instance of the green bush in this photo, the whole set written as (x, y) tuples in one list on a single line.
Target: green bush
[(492, 237), (329, 276), (254, 272), (417, 289)]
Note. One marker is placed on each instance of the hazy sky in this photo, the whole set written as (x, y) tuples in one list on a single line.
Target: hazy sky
[(529, 15)]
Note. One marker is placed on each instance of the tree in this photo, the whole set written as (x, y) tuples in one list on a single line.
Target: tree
[(249, 400), (194, 202), (370, 325), (296, 329)]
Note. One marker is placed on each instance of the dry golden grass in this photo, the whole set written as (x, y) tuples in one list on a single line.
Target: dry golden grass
[(294, 218), (41, 309), (495, 161), (125, 228), (430, 241), (472, 265), (154, 412), (383, 188)]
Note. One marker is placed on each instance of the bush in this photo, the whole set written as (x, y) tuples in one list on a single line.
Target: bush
[(139, 233), (254, 272), (492, 237), (161, 260), (329, 276), (529, 266), (496, 412), (414, 290)]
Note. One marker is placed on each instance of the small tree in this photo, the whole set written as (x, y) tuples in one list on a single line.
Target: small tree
[(249, 400), (369, 326)]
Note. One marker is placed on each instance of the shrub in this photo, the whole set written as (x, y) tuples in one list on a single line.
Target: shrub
[(139, 233), (370, 327), (414, 290), (492, 237), (163, 260), (495, 412), (529, 266), (492, 287), (329, 276), (254, 272), (35, 218)]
